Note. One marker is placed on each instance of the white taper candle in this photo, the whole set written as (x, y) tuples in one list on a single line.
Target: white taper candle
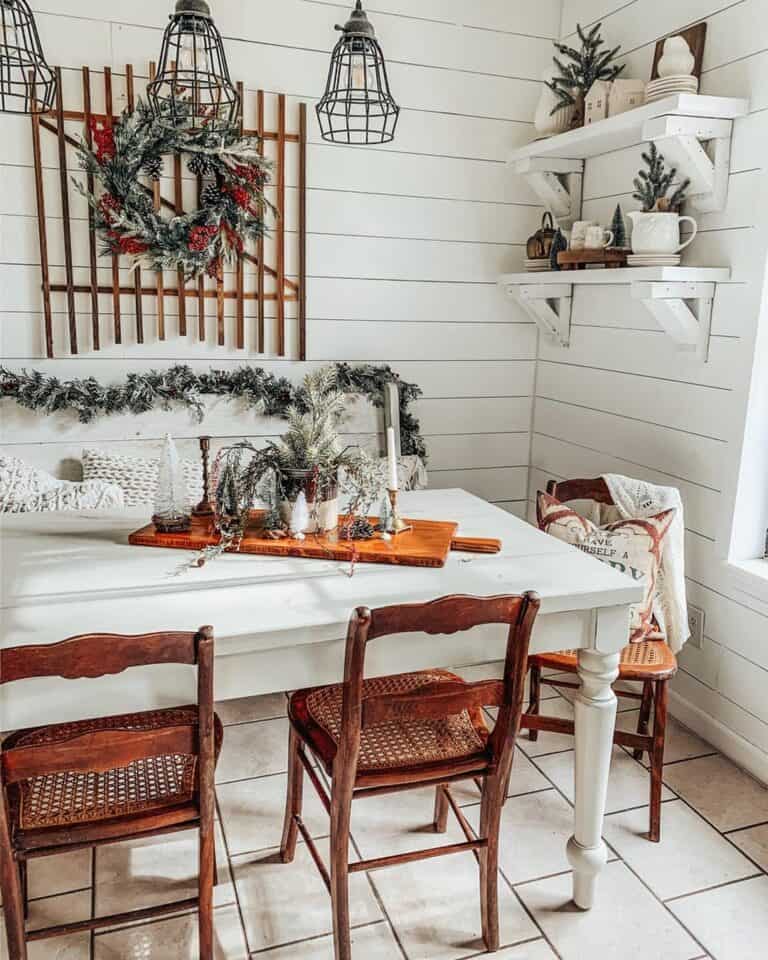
[(392, 458)]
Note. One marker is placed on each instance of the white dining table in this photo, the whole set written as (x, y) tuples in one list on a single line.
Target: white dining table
[(279, 622)]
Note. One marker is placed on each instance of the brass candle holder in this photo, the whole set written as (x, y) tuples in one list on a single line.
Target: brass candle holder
[(397, 524), (205, 508)]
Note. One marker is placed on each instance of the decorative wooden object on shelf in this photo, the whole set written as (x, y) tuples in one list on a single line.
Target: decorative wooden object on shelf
[(611, 258), (252, 278), (426, 545)]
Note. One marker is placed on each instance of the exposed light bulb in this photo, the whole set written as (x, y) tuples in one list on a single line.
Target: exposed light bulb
[(192, 55), (362, 79)]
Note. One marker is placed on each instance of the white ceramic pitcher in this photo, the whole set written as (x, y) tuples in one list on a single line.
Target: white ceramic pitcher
[(659, 232)]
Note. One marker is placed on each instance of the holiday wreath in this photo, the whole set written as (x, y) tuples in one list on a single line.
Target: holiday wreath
[(232, 199)]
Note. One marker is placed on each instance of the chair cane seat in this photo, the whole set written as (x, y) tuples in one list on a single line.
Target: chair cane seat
[(647, 660), (395, 744), (143, 786)]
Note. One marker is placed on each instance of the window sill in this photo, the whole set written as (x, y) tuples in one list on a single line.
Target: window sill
[(750, 577)]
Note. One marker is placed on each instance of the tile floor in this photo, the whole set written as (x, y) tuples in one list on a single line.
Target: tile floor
[(702, 894)]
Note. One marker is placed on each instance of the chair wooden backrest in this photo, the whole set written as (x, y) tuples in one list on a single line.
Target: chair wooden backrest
[(445, 698), (96, 655), (567, 490)]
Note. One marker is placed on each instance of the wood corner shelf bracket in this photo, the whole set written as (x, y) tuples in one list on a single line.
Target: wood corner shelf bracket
[(682, 310), (549, 305)]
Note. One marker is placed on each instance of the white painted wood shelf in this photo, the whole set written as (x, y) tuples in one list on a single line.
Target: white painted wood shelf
[(680, 126), (679, 298)]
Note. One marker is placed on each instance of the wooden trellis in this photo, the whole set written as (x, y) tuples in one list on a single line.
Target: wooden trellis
[(252, 279)]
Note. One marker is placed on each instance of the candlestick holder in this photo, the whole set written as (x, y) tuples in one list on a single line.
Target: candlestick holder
[(397, 524), (205, 508)]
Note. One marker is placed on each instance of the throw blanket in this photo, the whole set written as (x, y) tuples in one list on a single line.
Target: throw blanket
[(638, 499)]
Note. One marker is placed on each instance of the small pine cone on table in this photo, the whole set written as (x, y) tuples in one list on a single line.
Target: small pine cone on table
[(358, 529)]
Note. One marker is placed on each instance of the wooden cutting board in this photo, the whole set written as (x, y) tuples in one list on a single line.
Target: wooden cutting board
[(426, 545)]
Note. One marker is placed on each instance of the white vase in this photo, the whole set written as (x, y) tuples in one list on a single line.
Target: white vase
[(546, 123), (658, 232), (677, 59)]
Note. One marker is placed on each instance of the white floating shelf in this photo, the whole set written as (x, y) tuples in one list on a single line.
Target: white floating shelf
[(679, 125), (679, 298)]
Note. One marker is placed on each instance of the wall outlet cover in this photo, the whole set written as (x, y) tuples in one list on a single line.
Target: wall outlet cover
[(696, 626)]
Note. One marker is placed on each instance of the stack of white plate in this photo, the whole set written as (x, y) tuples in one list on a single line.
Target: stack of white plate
[(537, 266), (653, 260), (669, 86)]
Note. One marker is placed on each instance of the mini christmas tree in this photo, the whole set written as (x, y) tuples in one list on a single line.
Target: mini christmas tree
[(172, 498), (653, 184), (300, 517), (619, 229), (587, 65), (559, 245)]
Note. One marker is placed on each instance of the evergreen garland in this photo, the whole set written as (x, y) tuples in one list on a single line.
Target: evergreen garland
[(181, 386), (232, 212)]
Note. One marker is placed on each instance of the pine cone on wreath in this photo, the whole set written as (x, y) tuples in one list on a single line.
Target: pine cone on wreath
[(210, 195), (153, 167), (201, 165)]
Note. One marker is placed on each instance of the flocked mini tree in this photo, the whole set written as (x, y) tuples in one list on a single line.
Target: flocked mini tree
[(587, 65), (172, 497), (619, 229), (559, 245), (652, 186)]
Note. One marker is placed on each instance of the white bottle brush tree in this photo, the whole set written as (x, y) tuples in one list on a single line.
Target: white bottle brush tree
[(172, 497)]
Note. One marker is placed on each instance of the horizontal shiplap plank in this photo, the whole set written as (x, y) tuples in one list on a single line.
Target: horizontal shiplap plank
[(477, 450), (498, 484), (477, 415)]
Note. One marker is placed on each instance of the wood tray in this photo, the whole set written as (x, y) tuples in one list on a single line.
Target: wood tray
[(611, 258), (426, 545)]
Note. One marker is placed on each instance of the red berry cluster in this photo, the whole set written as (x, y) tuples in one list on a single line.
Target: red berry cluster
[(250, 174), (234, 239), (241, 197), (109, 205), (128, 245), (200, 238), (104, 139)]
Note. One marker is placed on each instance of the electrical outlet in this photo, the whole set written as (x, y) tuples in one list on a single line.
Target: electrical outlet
[(696, 626)]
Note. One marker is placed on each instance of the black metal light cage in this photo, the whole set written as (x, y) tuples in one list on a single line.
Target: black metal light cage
[(27, 83), (358, 106), (193, 87)]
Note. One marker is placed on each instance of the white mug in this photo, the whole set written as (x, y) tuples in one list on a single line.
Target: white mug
[(595, 238), (579, 233)]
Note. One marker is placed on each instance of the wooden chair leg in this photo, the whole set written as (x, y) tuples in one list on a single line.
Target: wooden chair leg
[(490, 823), (441, 810), (294, 798), (13, 906), (657, 756), (341, 809), (645, 714), (206, 885), (24, 874), (534, 698)]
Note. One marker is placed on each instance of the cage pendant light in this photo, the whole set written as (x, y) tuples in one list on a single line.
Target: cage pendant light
[(358, 106), (192, 88), (27, 83)]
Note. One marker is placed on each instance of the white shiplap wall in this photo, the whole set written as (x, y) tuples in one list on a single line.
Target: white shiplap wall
[(405, 242), (621, 399)]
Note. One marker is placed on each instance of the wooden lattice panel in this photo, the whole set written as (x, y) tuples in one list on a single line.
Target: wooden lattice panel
[(258, 305)]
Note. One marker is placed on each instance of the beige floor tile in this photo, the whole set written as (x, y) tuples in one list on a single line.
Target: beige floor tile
[(247, 709), (754, 842), (535, 950), (143, 873), (525, 779), (549, 742), (396, 823), (287, 902), (434, 906), (59, 874), (681, 743), (252, 812), (626, 922), (731, 922), (50, 911), (722, 793), (691, 855), (534, 832), (628, 786), (175, 938), (372, 942), (253, 750)]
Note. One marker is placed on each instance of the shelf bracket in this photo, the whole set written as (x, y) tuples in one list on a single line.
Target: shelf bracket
[(682, 310), (557, 183), (549, 304), (681, 141)]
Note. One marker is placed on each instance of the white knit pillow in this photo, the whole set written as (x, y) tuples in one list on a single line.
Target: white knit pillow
[(138, 476), (25, 489)]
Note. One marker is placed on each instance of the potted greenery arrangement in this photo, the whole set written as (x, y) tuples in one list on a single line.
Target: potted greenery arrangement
[(587, 65), (656, 228), (309, 459)]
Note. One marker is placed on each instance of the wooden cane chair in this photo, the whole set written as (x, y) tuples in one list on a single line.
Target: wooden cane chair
[(85, 783), (411, 730), (650, 662)]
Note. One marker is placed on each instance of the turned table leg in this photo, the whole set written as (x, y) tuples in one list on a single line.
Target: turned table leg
[(595, 716)]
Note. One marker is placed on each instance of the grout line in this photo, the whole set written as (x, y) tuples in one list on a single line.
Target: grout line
[(714, 886), (231, 872), (751, 826)]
